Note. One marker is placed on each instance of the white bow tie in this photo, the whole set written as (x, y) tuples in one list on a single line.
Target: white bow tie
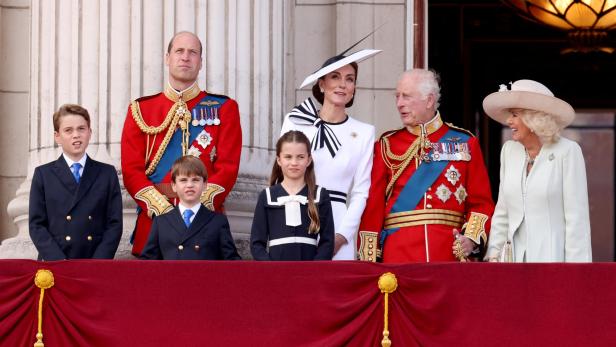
[(292, 213)]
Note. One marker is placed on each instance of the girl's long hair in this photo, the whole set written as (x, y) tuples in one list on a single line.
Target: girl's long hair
[(295, 136)]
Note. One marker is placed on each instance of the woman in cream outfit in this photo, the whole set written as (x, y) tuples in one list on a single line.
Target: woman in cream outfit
[(542, 209)]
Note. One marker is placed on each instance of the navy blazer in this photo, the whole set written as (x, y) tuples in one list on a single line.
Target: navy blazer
[(207, 238), (70, 220)]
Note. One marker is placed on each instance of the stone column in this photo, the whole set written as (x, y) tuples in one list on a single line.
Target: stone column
[(14, 92), (104, 53)]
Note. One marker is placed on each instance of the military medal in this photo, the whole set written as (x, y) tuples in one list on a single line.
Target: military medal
[(202, 120), (195, 121), (216, 120)]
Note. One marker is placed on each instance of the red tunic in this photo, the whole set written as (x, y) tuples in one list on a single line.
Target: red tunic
[(428, 234), (221, 156)]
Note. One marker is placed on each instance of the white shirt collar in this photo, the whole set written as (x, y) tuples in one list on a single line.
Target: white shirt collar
[(194, 208), (70, 161)]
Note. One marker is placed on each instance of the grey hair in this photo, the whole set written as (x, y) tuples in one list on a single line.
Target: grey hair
[(541, 123), (429, 83)]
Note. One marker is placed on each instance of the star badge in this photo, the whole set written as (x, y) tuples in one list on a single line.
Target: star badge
[(452, 175)]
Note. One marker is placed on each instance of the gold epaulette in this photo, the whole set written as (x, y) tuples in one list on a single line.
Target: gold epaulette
[(156, 202), (475, 228), (460, 129), (207, 197), (368, 246)]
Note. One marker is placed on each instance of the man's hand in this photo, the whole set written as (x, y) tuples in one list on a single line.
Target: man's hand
[(467, 246), (339, 241)]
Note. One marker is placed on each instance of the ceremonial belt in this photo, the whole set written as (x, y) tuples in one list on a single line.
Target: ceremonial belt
[(414, 189), (424, 217), (337, 196), (174, 148), (292, 239)]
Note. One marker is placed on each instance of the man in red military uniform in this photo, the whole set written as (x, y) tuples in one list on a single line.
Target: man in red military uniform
[(183, 120), (430, 196)]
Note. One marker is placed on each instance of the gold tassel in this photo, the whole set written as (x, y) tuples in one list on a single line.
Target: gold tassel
[(387, 284), (44, 280)]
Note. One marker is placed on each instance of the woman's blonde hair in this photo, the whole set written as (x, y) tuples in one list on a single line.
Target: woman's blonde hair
[(541, 123)]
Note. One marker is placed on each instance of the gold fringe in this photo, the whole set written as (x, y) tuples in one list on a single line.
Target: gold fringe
[(44, 280), (387, 284)]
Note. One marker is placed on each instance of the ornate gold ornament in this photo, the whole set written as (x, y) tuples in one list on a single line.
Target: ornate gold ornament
[(44, 280)]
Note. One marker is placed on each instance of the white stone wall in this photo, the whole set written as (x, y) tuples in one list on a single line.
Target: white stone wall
[(14, 104), (104, 53)]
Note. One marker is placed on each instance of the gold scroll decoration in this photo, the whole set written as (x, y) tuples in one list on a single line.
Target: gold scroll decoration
[(387, 284), (44, 280)]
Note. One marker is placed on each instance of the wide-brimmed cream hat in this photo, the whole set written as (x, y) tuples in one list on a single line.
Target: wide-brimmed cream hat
[(530, 95)]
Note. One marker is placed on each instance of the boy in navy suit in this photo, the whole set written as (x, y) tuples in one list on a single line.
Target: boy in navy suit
[(190, 231), (75, 201)]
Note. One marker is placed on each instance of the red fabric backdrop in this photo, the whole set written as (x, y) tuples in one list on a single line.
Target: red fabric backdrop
[(158, 303)]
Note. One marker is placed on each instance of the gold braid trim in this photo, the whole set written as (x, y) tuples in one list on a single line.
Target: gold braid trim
[(368, 246), (475, 228), (151, 130), (405, 159), (207, 197), (156, 202)]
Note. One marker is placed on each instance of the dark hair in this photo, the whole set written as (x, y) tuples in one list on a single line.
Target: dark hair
[(188, 165), (69, 109), (316, 90), (184, 32), (295, 136)]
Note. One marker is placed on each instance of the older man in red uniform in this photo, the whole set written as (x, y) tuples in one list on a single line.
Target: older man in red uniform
[(182, 120), (430, 196)]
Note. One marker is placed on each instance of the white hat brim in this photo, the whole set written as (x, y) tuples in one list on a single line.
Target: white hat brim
[(498, 105), (355, 57)]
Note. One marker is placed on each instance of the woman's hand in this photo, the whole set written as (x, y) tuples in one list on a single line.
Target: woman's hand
[(339, 242)]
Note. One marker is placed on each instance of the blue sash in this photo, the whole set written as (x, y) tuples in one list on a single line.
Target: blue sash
[(174, 148), (419, 183)]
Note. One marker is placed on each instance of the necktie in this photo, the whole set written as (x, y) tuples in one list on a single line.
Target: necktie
[(75, 169), (187, 214)]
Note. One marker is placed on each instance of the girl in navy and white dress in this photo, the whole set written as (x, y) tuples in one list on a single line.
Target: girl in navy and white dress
[(342, 146), (293, 218)]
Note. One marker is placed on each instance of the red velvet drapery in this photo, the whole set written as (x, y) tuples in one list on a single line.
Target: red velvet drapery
[(167, 303)]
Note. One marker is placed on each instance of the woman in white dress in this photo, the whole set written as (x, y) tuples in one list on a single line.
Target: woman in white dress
[(341, 145), (542, 209)]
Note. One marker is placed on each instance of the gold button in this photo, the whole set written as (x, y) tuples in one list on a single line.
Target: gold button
[(370, 240), (67, 238), (89, 237), (370, 246), (197, 247), (180, 247), (428, 206), (370, 253), (369, 258), (89, 217), (429, 197), (68, 218)]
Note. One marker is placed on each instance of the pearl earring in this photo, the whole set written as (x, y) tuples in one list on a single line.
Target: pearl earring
[(322, 90)]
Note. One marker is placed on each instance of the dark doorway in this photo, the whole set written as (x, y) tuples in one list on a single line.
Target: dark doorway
[(478, 45)]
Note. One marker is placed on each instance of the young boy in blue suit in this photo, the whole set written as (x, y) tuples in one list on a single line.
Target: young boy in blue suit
[(190, 231), (75, 201)]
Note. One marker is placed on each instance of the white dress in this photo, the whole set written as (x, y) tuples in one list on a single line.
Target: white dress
[(543, 214), (346, 174)]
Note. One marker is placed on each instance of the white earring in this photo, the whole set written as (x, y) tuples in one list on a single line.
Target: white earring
[(322, 90)]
